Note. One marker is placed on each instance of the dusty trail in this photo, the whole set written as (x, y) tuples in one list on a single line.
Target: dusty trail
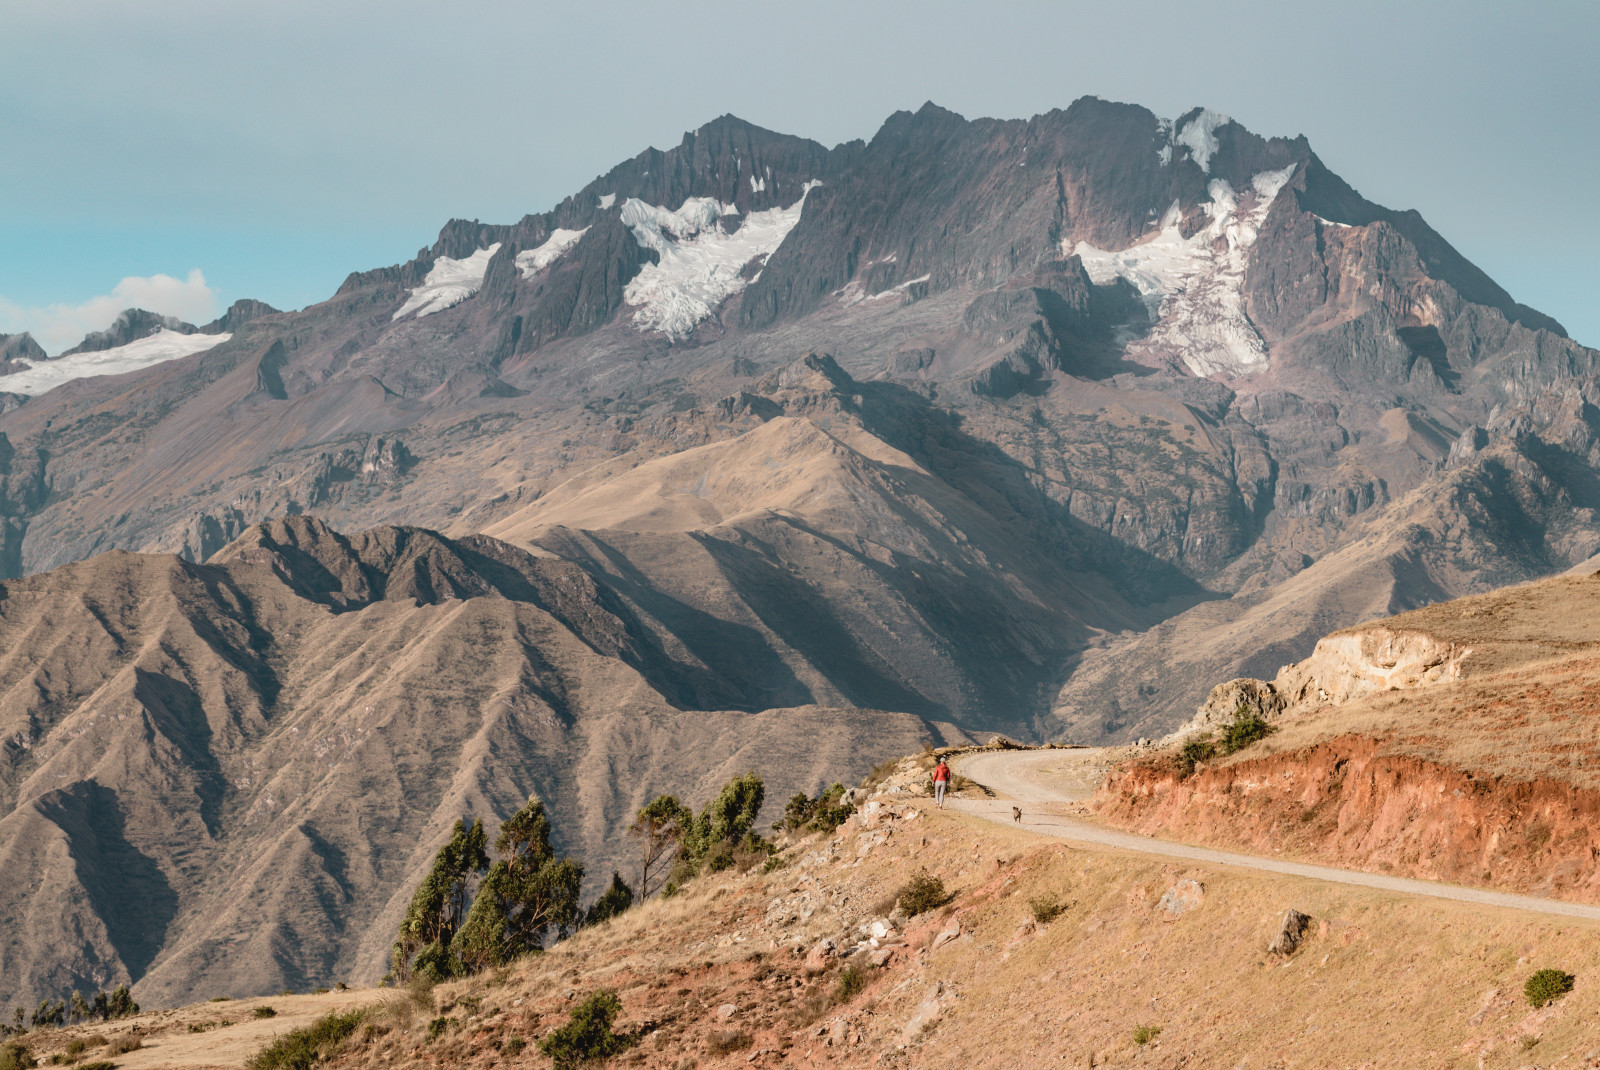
[(1044, 783)]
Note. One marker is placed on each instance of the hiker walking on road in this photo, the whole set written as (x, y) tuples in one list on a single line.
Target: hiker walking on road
[(941, 781)]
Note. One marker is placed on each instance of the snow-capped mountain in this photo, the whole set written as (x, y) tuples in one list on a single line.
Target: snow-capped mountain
[(1038, 426)]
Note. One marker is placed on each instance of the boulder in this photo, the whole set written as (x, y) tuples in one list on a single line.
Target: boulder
[(1290, 933), (1181, 898)]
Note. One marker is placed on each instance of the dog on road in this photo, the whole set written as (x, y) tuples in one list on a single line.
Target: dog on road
[(1016, 814)]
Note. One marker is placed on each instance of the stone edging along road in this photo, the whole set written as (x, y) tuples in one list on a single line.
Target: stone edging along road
[(1014, 775)]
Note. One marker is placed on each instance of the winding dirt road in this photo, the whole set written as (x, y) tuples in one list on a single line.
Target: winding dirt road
[(1046, 784)]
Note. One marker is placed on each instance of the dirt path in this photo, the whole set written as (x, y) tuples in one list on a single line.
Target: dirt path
[(1047, 785)]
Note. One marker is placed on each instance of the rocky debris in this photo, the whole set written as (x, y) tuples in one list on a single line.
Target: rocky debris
[(1181, 898), (951, 931), (928, 1013), (1290, 933), (727, 1010), (819, 955)]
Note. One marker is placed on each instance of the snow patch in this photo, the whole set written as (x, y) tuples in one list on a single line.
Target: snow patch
[(609, 199), (449, 283), (1194, 287), (162, 346), (757, 186), (700, 263), (899, 289), (1199, 136), (532, 261)]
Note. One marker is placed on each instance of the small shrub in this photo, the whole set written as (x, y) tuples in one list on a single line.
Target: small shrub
[(1196, 749), (1046, 908), (75, 1047), (287, 992), (98, 1064), (220, 999), (726, 1041), (200, 1027), (300, 1049), (264, 1012), (125, 1043), (59, 1059), (320, 992), (852, 979), (921, 893), (776, 862), (14, 1056), (439, 1026), (95, 1040), (1247, 727), (513, 1046), (1547, 985), (1145, 1034), (587, 1034)]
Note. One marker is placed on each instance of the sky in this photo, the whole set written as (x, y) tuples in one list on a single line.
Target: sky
[(180, 154)]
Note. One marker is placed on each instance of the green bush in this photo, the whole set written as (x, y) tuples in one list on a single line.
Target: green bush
[(1547, 985), (439, 1026), (921, 893), (513, 1046), (587, 1034), (1196, 749), (852, 979), (75, 1047), (1145, 1034), (1247, 727), (264, 1012), (1046, 908), (98, 1064), (300, 1049), (14, 1056)]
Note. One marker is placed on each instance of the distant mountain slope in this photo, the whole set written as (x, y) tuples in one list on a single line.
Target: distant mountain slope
[(225, 778), (1194, 359)]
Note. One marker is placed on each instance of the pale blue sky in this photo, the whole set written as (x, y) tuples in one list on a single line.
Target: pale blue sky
[(278, 146)]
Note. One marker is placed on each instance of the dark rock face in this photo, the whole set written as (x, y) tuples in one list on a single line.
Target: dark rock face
[(239, 313), (18, 352)]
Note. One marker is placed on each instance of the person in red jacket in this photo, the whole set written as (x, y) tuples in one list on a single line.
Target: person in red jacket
[(941, 781)]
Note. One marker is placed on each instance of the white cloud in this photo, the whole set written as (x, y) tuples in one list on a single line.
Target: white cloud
[(58, 327)]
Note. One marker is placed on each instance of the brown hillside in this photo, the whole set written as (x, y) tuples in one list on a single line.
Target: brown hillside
[(1458, 742), (727, 974), (226, 778)]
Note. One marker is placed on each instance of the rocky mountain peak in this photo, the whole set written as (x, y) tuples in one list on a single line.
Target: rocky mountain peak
[(130, 325)]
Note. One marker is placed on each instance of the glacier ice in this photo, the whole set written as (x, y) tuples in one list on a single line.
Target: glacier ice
[(449, 283), (701, 264), (1194, 287), (1199, 136), (162, 346), (532, 261)]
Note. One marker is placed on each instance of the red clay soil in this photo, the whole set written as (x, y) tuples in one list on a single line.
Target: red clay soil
[(1347, 802)]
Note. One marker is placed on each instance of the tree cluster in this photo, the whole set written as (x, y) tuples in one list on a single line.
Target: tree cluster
[(103, 1007), (679, 844), (469, 914), (822, 813)]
